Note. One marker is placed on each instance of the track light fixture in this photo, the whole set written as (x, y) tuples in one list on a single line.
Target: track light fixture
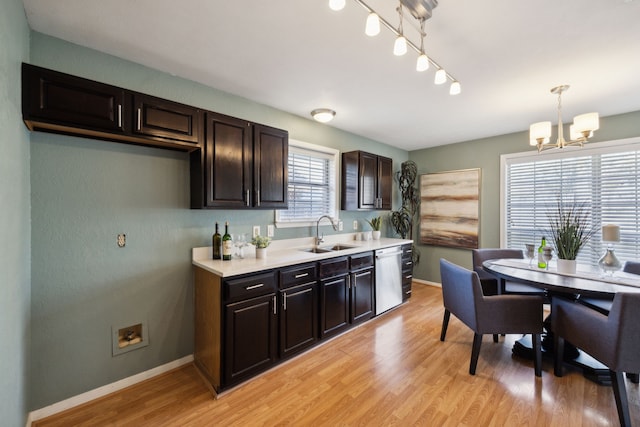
[(421, 10)]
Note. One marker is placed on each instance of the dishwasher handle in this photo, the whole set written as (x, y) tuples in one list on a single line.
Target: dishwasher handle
[(384, 253)]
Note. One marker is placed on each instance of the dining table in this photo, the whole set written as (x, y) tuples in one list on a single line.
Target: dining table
[(588, 283)]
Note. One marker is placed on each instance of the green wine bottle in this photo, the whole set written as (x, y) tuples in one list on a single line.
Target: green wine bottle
[(541, 261), (217, 242), (227, 244)]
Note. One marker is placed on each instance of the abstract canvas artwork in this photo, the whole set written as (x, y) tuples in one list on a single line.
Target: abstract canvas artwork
[(450, 208)]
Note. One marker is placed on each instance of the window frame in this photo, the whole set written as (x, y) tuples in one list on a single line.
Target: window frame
[(596, 246), (334, 155)]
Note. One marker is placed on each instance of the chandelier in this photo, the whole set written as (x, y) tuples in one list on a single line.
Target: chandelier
[(421, 10), (579, 132)]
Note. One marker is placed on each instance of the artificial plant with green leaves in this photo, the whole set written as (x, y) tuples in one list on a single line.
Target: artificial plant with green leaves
[(375, 223), (402, 219)]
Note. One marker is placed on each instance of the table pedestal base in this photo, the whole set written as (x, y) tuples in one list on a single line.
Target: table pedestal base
[(591, 368)]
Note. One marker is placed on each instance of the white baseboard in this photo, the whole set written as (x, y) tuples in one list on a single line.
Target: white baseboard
[(90, 395)]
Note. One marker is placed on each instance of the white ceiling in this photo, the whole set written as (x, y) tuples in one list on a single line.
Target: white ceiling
[(297, 55)]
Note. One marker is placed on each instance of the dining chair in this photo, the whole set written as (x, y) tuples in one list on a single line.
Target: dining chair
[(497, 314), (491, 285), (613, 339)]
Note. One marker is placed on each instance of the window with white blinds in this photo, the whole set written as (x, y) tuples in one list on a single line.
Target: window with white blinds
[(603, 177), (312, 184)]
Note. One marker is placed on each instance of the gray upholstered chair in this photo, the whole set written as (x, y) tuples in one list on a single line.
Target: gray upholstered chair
[(492, 285), (632, 267), (499, 314), (613, 340)]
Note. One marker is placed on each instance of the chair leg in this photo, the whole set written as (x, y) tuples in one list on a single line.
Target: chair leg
[(495, 337), (558, 345), (475, 352), (537, 357), (620, 394), (445, 324)]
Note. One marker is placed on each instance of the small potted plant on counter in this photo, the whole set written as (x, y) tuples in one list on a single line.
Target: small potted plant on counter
[(261, 243), (570, 231), (376, 224)]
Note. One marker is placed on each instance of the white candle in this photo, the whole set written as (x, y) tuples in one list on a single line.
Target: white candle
[(610, 233)]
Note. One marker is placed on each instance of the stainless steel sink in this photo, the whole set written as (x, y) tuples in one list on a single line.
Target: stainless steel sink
[(316, 250), (339, 247), (325, 249)]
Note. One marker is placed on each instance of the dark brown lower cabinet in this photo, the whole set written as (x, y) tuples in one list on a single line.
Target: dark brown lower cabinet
[(334, 295), (362, 289), (298, 318), (250, 337)]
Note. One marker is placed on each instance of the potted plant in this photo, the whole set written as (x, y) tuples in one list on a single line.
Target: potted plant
[(261, 243), (376, 224), (570, 231)]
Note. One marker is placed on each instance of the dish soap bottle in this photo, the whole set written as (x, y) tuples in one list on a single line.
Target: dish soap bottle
[(541, 261)]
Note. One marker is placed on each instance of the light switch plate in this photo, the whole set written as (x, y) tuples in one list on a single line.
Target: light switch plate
[(270, 230), (355, 224), (256, 230)]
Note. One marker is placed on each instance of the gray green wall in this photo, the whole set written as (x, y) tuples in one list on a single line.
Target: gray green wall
[(15, 227), (85, 192), (485, 154)]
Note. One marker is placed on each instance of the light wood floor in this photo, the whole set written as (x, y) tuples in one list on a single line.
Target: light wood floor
[(391, 371)]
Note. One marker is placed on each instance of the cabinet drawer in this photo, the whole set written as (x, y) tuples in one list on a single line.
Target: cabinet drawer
[(250, 286), (298, 274), (333, 267), (407, 276), (407, 264), (363, 260), (407, 252)]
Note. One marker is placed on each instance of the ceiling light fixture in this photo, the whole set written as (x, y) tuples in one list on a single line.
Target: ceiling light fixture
[(336, 4), (421, 10), (323, 115), (579, 132), (373, 25)]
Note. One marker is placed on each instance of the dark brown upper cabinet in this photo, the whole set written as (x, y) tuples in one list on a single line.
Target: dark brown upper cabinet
[(242, 165), (366, 181), (163, 120), (61, 103)]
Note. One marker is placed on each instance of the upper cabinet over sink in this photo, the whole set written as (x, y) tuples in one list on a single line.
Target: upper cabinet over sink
[(366, 181), (242, 165)]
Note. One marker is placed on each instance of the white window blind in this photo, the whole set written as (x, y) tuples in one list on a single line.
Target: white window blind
[(312, 184), (603, 177)]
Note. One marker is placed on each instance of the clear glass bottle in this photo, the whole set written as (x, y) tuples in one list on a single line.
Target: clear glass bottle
[(227, 243), (542, 263), (217, 242)]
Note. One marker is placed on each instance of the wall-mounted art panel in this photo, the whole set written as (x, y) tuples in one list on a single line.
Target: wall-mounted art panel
[(450, 208)]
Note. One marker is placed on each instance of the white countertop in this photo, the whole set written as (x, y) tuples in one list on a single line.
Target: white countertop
[(282, 253)]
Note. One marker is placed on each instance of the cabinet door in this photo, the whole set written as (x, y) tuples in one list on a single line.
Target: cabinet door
[(368, 181), (271, 154), (385, 182), (298, 318), (166, 120), (362, 290), (228, 162), (250, 337), (334, 305), (61, 102)]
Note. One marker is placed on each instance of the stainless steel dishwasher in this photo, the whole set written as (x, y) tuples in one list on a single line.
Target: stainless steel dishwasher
[(388, 278)]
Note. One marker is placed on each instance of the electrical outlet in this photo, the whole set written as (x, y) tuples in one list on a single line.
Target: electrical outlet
[(270, 230), (340, 225), (122, 240), (256, 230), (355, 224)]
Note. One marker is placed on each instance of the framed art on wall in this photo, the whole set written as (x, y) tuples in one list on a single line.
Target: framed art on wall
[(450, 208)]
